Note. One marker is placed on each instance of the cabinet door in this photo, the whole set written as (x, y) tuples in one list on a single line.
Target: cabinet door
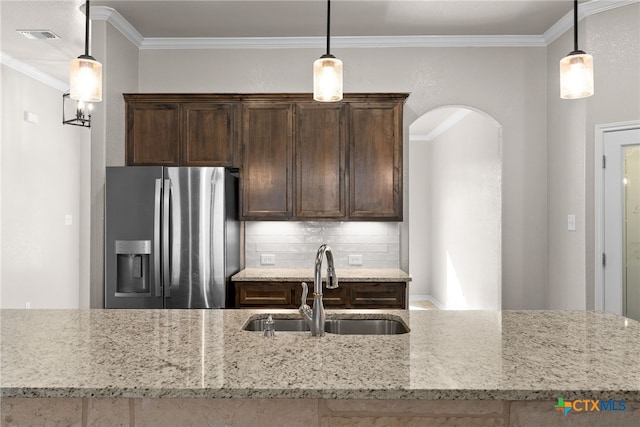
[(266, 176), (209, 134), (320, 150), (375, 161), (378, 295), (153, 131)]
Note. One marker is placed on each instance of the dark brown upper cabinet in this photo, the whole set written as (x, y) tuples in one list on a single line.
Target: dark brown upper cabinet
[(298, 159), (375, 161), (209, 134), (181, 130), (266, 176), (320, 156), (153, 133)]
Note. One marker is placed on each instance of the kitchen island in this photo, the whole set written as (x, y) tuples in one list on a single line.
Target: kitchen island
[(199, 367)]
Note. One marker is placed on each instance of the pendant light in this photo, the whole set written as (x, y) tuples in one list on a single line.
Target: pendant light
[(576, 69), (85, 72), (327, 72), (76, 113)]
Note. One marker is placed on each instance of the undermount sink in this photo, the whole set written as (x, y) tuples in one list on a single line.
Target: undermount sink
[(365, 327), (335, 325), (280, 325)]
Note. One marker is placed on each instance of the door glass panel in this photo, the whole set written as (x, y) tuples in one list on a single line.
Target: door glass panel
[(631, 239)]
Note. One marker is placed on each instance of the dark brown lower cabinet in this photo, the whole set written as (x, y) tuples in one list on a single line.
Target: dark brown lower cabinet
[(331, 298), (260, 294), (392, 295), (374, 295)]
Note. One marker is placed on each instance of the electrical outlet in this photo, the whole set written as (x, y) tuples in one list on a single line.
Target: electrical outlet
[(267, 259), (355, 259), (27, 305)]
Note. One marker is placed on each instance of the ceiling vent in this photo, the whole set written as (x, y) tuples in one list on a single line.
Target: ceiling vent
[(38, 34)]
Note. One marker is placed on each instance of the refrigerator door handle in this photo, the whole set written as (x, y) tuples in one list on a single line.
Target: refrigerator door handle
[(166, 256), (156, 238)]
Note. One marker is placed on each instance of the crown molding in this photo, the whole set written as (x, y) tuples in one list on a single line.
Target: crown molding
[(32, 72), (584, 9), (112, 16), (596, 6), (341, 42)]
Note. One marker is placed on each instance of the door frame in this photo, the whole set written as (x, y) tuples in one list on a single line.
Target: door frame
[(600, 132)]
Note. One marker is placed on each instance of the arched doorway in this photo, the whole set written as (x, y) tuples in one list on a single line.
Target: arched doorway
[(455, 208)]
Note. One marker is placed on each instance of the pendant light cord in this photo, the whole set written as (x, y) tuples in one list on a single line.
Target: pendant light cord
[(575, 25), (328, 24), (86, 30)]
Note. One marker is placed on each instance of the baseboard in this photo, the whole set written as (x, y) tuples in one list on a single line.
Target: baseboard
[(429, 298)]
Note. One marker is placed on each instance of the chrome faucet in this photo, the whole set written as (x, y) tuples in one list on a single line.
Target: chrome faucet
[(315, 317)]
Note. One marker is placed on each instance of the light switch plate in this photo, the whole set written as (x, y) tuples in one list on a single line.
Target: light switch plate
[(31, 117), (355, 259), (571, 222), (267, 259)]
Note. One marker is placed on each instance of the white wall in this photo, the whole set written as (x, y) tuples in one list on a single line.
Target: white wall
[(419, 212), (295, 244), (40, 184), (462, 170), (508, 83), (566, 187), (613, 38)]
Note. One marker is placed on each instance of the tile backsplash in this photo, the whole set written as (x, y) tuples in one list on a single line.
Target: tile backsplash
[(294, 244)]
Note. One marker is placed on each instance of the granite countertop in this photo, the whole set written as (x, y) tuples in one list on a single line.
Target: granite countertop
[(306, 274), (508, 355)]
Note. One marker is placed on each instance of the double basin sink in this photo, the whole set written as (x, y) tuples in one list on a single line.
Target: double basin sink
[(339, 326)]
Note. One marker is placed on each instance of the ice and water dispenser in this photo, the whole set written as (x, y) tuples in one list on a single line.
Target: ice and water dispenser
[(133, 267)]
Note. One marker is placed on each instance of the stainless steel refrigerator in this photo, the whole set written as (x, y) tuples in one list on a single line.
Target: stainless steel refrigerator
[(172, 236)]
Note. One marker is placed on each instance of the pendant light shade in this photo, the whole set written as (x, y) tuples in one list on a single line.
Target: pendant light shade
[(85, 73), (327, 72), (327, 79), (86, 79), (576, 76), (576, 69)]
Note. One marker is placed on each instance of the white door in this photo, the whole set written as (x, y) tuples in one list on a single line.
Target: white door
[(621, 197)]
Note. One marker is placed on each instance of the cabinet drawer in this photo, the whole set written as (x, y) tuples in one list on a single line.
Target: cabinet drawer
[(377, 295), (260, 294), (331, 298)]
